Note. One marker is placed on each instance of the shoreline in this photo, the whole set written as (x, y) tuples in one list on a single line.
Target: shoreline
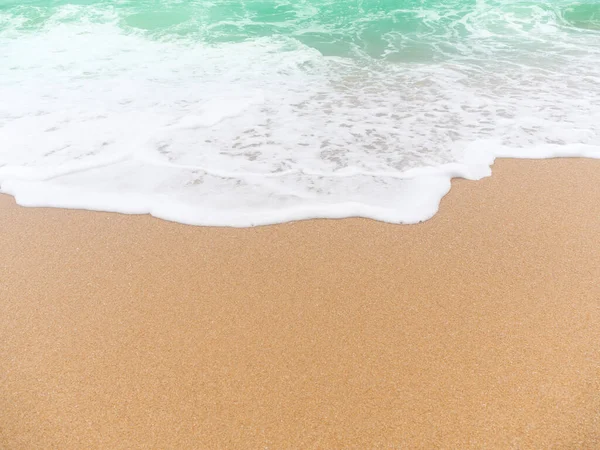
[(416, 201), (477, 328)]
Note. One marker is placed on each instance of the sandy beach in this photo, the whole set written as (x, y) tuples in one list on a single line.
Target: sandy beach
[(477, 329)]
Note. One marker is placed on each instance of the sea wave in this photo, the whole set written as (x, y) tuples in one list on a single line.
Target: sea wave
[(243, 112)]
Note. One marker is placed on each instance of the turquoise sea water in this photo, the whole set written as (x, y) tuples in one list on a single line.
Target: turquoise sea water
[(397, 30), (334, 27), (239, 112)]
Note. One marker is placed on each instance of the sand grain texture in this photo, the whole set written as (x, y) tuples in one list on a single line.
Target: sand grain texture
[(477, 329)]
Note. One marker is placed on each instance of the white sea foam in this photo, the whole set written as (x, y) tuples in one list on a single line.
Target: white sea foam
[(269, 130)]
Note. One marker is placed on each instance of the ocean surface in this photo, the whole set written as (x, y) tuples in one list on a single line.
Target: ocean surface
[(248, 112)]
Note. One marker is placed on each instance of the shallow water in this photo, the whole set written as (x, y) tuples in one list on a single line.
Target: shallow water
[(252, 112)]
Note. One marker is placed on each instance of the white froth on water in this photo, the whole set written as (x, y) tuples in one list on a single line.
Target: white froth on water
[(270, 130)]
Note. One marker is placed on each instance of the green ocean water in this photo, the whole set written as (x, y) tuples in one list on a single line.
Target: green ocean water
[(239, 112), (380, 28)]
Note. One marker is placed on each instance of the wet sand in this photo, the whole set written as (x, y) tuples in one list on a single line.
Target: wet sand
[(477, 329)]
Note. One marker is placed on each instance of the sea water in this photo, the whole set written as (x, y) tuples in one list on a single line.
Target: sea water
[(247, 112)]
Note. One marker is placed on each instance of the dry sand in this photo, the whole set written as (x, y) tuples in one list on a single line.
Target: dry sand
[(477, 329)]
